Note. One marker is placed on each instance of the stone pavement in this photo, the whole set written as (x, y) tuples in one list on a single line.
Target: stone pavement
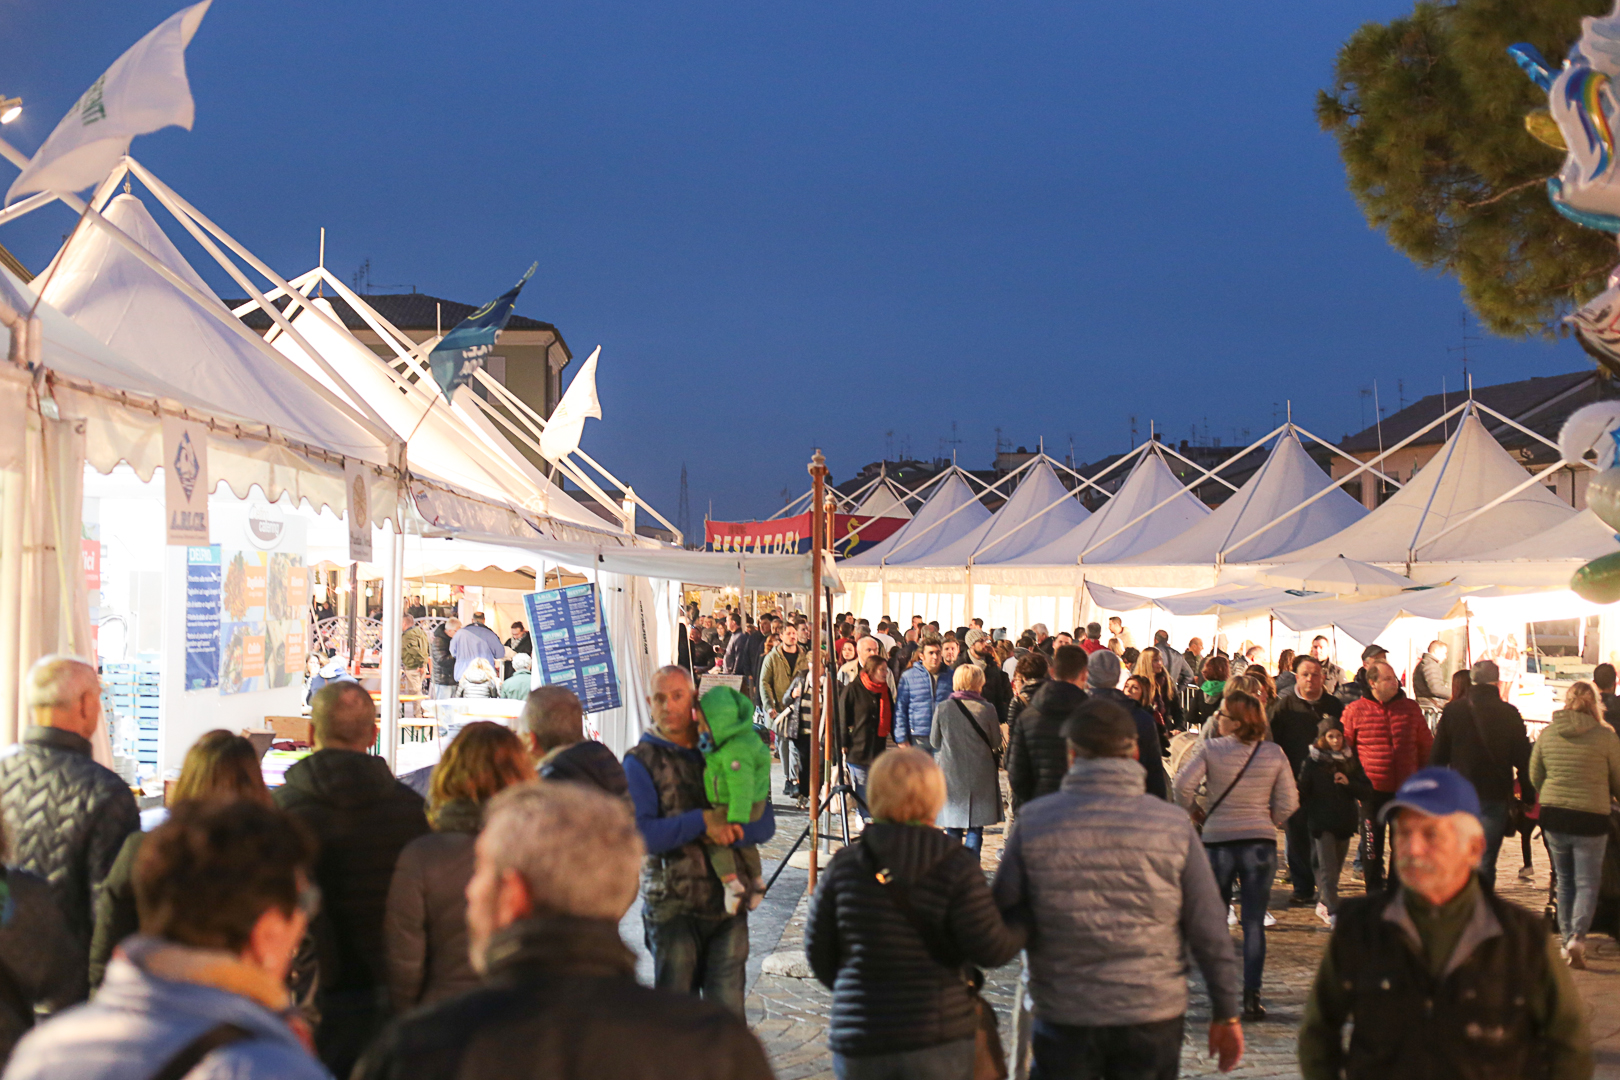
[(789, 1013)]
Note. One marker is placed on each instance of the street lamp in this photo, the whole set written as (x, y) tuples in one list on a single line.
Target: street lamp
[(10, 109)]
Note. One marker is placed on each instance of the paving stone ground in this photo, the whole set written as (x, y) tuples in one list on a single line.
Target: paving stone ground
[(790, 1014)]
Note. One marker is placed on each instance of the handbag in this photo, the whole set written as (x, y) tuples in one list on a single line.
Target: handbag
[(1200, 816), (995, 755), (989, 1059)]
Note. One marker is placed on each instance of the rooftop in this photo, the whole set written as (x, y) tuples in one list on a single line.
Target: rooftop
[(407, 311)]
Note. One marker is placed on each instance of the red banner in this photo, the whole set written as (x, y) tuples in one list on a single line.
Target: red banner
[(791, 535)]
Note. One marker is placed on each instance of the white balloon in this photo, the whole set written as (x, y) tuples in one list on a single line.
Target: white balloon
[(1591, 427)]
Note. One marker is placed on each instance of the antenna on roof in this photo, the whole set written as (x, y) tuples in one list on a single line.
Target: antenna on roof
[(1290, 410), (438, 318)]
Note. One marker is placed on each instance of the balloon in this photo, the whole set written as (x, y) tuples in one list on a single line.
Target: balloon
[(1599, 580)]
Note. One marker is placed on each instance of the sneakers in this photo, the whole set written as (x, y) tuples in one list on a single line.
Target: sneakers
[(1270, 920), (1527, 873), (1232, 917), (1322, 913), (1575, 953), (736, 893)]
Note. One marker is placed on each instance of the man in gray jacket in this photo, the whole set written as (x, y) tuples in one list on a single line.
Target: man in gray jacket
[(1116, 888)]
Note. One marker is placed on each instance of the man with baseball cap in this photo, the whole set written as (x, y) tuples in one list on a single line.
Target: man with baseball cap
[(997, 686), (1440, 976)]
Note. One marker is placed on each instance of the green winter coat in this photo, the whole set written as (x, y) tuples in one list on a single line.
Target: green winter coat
[(1575, 763), (737, 772)]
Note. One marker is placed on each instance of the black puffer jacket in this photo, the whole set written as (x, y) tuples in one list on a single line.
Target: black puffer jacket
[(426, 927), (890, 992), (65, 817), (444, 664), (561, 1003), (41, 954), (1037, 755), (362, 817)]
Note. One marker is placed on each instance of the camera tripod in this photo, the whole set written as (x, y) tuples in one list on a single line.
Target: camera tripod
[(844, 790)]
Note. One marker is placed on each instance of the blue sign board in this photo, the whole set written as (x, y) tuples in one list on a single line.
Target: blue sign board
[(571, 645), (202, 617)]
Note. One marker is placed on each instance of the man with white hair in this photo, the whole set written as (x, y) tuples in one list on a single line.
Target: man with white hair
[(66, 817), (555, 869), (1441, 977)]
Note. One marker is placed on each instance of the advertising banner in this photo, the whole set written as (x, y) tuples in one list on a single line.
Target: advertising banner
[(791, 535), (571, 645), (185, 481), (262, 637), (202, 617)]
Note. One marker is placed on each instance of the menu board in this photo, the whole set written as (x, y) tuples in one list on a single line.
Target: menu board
[(202, 617), (571, 645), (261, 621)]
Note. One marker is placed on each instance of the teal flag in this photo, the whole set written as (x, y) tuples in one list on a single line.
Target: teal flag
[(461, 352)]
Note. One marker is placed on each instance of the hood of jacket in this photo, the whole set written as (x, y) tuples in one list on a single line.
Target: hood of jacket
[(1105, 776), (559, 945), (162, 978), (1056, 697), (457, 816), (587, 762), (343, 778), (728, 713), (1573, 722)]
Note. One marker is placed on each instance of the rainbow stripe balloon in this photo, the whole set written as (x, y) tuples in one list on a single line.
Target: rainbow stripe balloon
[(1583, 93)]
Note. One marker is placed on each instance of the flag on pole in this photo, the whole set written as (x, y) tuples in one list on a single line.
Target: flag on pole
[(145, 89), (567, 423), (460, 353)]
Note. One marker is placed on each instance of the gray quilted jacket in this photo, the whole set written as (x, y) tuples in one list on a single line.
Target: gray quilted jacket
[(1257, 805), (65, 818), (1116, 888)]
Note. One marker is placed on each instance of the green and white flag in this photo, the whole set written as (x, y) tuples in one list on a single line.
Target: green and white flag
[(145, 89)]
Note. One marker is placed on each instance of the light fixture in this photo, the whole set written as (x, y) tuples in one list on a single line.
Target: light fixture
[(10, 109)]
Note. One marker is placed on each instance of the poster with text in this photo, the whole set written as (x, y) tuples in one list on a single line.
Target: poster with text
[(202, 617), (262, 637), (571, 645)]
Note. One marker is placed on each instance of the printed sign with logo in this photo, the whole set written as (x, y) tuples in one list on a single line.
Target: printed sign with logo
[(185, 481), (358, 513), (571, 645), (202, 617)]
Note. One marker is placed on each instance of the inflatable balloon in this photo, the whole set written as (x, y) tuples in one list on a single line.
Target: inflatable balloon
[(1592, 435), (1599, 580)]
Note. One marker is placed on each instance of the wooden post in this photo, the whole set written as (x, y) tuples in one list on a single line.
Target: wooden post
[(818, 473)]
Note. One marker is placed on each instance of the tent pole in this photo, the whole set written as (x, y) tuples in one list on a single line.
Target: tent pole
[(354, 627), (393, 597), (818, 473)]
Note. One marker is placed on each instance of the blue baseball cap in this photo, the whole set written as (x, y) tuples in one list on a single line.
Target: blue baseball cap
[(1434, 791)]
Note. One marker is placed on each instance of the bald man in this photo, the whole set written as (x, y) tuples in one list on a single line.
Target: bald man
[(65, 816)]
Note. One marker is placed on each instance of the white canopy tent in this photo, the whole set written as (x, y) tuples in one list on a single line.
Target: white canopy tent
[(1151, 507), (952, 512), (882, 501)]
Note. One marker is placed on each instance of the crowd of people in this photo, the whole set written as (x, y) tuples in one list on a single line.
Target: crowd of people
[(348, 924)]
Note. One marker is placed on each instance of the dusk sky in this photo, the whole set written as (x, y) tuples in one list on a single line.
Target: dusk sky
[(802, 225)]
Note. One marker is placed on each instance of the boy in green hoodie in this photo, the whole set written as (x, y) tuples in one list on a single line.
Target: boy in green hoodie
[(737, 776)]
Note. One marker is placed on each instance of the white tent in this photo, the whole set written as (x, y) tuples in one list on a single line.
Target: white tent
[(1364, 620), (882, 501), (1463, 503), (1233, 532), (951, 512), (1020, 526), (1131, 522), (1580, 537)]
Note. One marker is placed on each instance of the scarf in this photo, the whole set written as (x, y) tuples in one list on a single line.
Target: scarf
[(966, 695), (879, 688), (1339, 759), (1212, 688)]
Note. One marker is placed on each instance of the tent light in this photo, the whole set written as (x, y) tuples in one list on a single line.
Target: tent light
[(10, 109)]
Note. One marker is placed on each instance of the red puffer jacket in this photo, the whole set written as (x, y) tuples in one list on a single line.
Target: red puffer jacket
[(1391, 738)]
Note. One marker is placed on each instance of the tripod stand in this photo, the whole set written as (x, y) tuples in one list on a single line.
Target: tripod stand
[(844, 790)]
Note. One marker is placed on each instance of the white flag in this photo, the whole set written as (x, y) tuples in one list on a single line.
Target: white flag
[(562, 432), (144, 90)]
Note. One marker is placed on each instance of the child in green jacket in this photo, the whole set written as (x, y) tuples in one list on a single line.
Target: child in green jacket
[(736, 776)]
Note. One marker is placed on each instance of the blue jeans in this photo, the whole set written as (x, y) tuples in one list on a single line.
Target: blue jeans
[(1493, 815), (857, 777), (947, 1061), (1253, 865), (1128, 1052), (972, 838), (698, 955), (1578, 867)]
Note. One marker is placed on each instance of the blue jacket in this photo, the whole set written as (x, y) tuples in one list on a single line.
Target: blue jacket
[(914, 703), (138, 1021), (662, 834)]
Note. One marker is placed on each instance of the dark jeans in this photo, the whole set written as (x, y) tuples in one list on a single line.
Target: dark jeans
[(1129, 1052), (700, 955), (1493, 815), (857, 777), (948, 1061), (350, 1019), (796, 767), (1297, 838), (972, 838), (1253, 865), (1373, 833)]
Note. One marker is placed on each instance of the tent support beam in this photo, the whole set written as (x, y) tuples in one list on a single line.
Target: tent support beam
[(1534, 478), (987, 490)]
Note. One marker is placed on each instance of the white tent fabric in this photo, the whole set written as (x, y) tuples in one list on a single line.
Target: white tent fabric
[(1467, 473), (1364, 620), (1338, 575), (128, 306), (1149, 483), (950, 513), (882, 501), (1230, 600), (1581, 537), (1287, 478), (1015, 529), (446, 444), (1111, 599)]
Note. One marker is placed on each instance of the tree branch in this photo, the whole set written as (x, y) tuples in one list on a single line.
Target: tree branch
[(1500, 195)]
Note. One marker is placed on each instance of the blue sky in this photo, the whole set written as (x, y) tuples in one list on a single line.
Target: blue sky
[(802, 225)]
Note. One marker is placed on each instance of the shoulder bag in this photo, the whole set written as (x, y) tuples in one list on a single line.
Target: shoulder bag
[(967, 714), (989, 1060), (1199, 816)]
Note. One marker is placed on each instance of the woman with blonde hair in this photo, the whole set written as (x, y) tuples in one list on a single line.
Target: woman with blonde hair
[(1251, 793), (425, 924), (966, 737), (219, 765), (892, 948), (1575, 768), (1158, 698)]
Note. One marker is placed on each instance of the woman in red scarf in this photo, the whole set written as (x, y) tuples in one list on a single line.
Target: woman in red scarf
[(866, 712)]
